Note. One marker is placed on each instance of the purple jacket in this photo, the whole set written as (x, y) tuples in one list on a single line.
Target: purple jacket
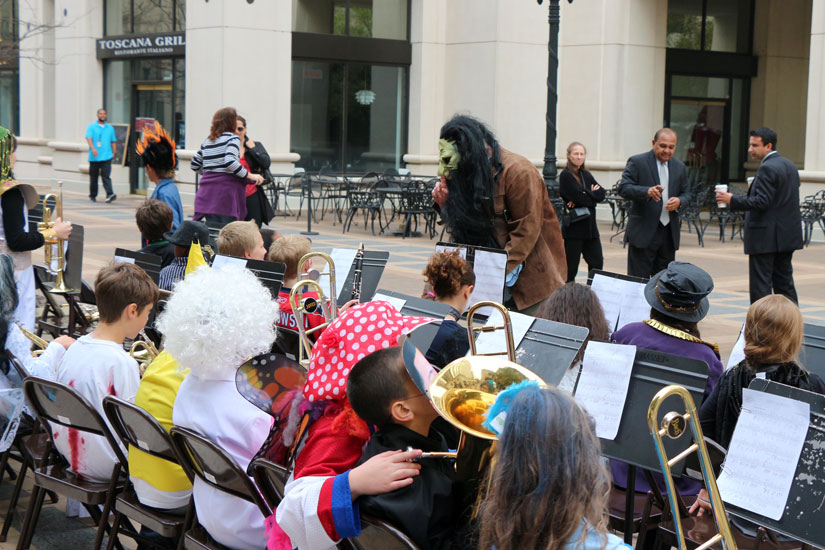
[(645, 336), (222, 194)]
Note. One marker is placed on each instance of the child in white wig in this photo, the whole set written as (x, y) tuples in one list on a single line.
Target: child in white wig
[(213, 322)]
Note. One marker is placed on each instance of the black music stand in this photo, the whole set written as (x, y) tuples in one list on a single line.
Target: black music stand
[(549, 347), (621, 276), (422, 337), (150, 263), (652, 371), (271, 274), (802, 518), (74, 258), (372, 268), (812, 356)]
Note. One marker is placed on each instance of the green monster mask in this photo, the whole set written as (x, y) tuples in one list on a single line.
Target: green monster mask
[(448, 157)]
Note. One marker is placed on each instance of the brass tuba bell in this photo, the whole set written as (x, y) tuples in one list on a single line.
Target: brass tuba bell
[(462, 393), (305, 305)]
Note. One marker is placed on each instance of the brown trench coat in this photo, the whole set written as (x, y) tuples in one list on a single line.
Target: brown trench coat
[(526, 227)]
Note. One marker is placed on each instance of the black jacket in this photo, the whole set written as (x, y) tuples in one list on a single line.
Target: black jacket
[(640, 174), (581, 195), (773, 222), (258, 159), (424, 510), (721, 409)]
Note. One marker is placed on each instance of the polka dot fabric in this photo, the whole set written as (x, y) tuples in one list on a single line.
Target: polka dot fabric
[(356, 333)]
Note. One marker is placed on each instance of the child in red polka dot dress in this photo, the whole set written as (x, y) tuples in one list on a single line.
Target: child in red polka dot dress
[(320, 502)]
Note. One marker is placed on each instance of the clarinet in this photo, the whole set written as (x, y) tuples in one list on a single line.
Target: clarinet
[(356, 274)]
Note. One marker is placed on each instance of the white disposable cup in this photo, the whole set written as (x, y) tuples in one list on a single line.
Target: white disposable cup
[(750, 180), (721, 187)]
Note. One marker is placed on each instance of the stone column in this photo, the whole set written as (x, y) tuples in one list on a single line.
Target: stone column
[(612, 80), (815, 114), (239, 54)]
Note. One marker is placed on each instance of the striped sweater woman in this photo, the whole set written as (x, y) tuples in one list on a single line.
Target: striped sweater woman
[(221, 195)]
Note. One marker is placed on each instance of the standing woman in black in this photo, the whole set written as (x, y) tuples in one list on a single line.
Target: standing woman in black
[(579, 189), (255, 159)]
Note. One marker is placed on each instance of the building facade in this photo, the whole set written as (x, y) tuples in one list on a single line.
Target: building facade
[(364, 85)]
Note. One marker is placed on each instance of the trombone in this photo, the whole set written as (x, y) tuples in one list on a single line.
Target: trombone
[(507, 327), (674, 426), (47, 223), (304, 305)]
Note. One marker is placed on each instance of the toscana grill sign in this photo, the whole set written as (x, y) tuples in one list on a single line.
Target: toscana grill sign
[(142, 45)]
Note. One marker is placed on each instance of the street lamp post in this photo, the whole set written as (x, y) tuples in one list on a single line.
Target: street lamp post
[(549, 172)]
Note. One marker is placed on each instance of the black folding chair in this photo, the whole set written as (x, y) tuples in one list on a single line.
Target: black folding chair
[(59, 404), (203, 459), (136, 427), (377, 534), (271, 479)]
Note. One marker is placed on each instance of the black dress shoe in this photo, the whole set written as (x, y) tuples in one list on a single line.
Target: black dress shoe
[(111, 198)]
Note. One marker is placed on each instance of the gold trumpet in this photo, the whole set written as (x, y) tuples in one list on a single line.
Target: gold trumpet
[(674, 425), (462, 393), (38, 342), (507, 327), (47, 223), (143, 351)]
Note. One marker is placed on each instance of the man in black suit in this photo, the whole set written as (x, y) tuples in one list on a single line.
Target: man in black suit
[(657, 184), (773, 223)]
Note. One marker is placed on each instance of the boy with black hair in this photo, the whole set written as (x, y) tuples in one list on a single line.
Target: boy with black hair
[(154, 220), (96, 364), (382, 393), (157, 152)]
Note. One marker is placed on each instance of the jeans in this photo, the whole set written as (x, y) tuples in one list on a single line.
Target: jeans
[(104, 168)]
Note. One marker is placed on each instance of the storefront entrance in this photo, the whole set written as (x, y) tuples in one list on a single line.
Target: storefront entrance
[(150, 101)]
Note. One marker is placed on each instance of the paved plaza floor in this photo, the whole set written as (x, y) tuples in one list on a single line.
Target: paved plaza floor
[(108, 226)]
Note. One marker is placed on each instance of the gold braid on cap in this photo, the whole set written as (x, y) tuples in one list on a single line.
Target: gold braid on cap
[(680, 334), (673, 308)]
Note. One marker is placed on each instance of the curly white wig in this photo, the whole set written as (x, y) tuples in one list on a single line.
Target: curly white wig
[(215, 320)]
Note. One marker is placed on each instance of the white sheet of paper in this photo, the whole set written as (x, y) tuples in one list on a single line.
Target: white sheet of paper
[(490, 269), (342, 258), (738, 351), (225, 263), (397, 303), (609, 291), (635, 308), (603, 383), (123, 260), (461, 250), (495, 341), (764, 452)]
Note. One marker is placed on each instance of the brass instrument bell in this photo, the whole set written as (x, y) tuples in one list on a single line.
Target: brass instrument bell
[(47, 223)]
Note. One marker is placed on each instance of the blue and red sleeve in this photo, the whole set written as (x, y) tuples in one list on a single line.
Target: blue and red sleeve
[(339, 515)]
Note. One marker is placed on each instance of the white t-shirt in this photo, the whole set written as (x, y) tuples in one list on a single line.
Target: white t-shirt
[(217, 410), (95, 368)]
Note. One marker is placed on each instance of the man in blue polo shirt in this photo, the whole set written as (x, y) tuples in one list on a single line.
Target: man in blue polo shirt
[(102, 147)]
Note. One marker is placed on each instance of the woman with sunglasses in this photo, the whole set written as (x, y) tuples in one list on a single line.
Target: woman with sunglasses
[(254, 158)]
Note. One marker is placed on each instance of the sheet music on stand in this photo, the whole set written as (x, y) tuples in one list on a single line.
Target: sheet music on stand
[(801, 518), (372, 269), (812, 355), (271, 274), (652, 371), (150, 263), (489, 266), (621, 296), (737, 354)]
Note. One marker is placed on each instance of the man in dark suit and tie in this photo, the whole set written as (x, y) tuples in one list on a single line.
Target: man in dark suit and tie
[(657, 184), (773, 222)]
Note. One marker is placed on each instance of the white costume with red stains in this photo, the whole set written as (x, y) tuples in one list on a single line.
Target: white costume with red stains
[(95, 368)]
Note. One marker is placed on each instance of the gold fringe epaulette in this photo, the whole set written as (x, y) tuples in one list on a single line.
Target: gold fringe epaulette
[(680, 334)]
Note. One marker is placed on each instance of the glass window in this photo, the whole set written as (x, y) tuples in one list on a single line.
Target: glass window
[(144, 16), (348, 117), (684, 25), (699, 86), (9, 106), (364, 18), (710, 25)]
